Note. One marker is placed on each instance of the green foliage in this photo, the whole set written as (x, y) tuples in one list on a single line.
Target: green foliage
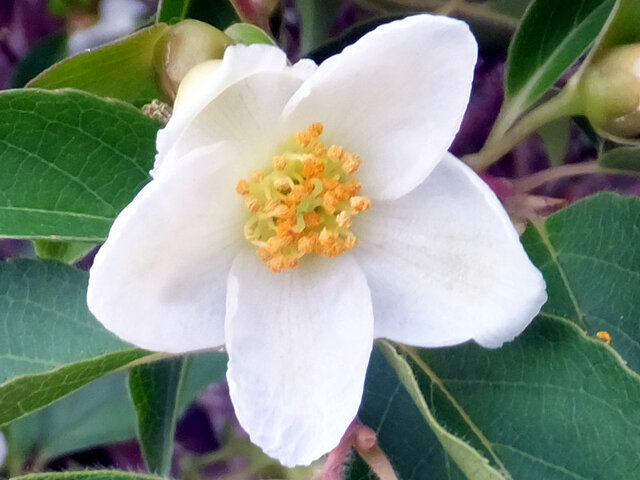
[(123, 70), (55, 188), (247, 34), (621, 158), (88, 475), (219, 13), (154, 389), (160, 392), (583, 253), (551, 37), (65, 252), (624, 28), (554, 403), (51, 345), (99, 413)]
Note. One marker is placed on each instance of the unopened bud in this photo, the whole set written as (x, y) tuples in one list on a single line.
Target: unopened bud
[(610, 93), (184, 46)]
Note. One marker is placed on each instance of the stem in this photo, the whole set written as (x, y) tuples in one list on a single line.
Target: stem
[(531, 182), (562, 105)]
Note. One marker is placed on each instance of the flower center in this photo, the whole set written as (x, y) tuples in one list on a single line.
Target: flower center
[(304, 202)]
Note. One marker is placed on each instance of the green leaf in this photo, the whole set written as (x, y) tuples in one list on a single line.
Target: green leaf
[(99, 413), (585, 253), (219, 13), (551, 37), (72, 162), (122, 70), (160, 392), (624, 28), (51, 345), (317, 18), (154, 389), (248, 34), (88, 475), (621, 158), (407, 430), (65, 252), (555, 137), (172, 11)]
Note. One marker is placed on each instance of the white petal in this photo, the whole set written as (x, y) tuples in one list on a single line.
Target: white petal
[(208, 80), (159, 281), (246, 114), (299, 345), (3, 449), (445, 265), (396, 98)]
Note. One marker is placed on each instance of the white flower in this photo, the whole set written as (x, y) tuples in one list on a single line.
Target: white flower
[(438, 262), (3, 449)]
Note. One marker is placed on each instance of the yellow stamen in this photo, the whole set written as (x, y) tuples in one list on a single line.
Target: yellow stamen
[(603, 335), (304, 203)]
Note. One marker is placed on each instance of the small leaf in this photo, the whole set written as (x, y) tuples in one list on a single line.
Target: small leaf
[(172, 11), (154, 389), (621, 158), (122, 70), (72, 162), (219, 13), (248, 34), (551, 37), (64, 252), (51, 345)]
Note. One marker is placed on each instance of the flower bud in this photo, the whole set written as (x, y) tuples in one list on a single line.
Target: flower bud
[(610, 93), (185, 45)]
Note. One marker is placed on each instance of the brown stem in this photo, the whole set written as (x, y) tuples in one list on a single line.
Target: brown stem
[(534, 181)]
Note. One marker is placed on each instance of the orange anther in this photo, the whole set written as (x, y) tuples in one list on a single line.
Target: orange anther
[(242, 187)]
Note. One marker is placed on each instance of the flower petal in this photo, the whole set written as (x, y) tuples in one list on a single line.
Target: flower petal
[(245, 114), (159, 281), (206, 81), (445, 265), (299, 345), (3, 449), (396, 98)]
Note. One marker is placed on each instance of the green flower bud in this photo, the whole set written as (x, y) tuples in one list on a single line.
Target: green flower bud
[(185, 45), (610, 93)]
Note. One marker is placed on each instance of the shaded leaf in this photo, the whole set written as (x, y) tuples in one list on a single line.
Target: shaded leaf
[(154, 389), (51, 345), (100, 412), (621, 158)]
